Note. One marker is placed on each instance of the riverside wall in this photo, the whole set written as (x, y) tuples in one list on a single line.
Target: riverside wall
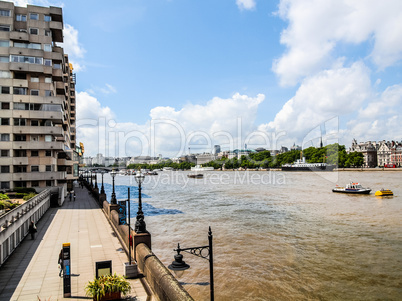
[(159, 279)]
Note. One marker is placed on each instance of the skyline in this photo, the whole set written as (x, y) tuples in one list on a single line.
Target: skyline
[(158, 77)]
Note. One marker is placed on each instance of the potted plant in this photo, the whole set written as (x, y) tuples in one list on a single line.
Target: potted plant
[(108, 287)]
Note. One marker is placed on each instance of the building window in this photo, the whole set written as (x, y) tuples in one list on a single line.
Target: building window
[(34, 31), (48, 80), (4, 27), (5, 185), (5, 137), (48, 62), (48, 153), (48, 167), (34, 153), (28, 45), (5, 74), (4, 153), (34, 168), (20, 153), (4, 43), (21, 18), (34, 123), (47, 47), (34, 183), (56, 66), (35, 92), (34, 138), (4, 121), (47, 18), (5, 106), (26, 59), (48, 93), (20, 137), (5, 13), (4, 59), (48, 33), (33, 16), (34, 79), (48, 138), (20, 75), (49, 183), (5, 90), (20, 91), (5, 169), (20, 121)]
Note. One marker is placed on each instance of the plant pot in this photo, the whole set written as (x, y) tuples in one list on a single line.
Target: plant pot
[(130, 270), (109, 296)]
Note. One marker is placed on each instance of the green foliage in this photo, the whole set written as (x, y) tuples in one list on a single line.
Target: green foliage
[(107, 284), (4, 204), (24, 189), (4, 196), (29, 196), (168, 163)]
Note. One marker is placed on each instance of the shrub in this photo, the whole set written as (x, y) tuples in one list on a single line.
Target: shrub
[(29, 196), (4, 196), (107, 284), (24, 189)]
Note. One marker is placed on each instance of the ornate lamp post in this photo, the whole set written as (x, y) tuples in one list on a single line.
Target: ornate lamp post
[(179, 266), (92, 177), (102, 188), (140, 226), (96, 179), (113, 198)]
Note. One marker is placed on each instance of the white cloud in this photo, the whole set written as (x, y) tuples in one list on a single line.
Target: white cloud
[(169, 131), (316, 27), (71, 45), (328, 94), (246, 4)]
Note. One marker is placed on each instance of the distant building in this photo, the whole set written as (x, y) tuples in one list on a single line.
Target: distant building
[(205, 158), (369, 151), (217, 149), (99, 160)]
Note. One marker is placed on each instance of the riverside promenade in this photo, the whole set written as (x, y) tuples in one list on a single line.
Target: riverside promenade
[(31, 272)]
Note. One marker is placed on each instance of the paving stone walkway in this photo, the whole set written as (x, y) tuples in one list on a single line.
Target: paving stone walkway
[(31, 273)]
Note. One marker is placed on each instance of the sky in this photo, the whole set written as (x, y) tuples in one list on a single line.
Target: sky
[(173, 77)]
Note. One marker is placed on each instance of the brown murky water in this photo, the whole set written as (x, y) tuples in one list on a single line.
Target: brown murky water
[(282, 236)]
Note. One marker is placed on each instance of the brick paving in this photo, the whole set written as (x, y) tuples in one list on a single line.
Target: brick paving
[(31, 272)]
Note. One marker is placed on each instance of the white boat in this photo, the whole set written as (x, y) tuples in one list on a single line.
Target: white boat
[(302, 165), (200, 168), (354, 188)]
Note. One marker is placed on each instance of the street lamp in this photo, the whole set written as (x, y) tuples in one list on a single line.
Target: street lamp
[(96, 179), (113, 198), (92, 177), (178, 266), (140, 226), (102, 188)]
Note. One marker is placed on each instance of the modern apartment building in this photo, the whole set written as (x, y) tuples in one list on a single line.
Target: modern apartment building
[(37, 100)]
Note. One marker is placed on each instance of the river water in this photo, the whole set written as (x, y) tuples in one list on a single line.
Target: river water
[(277, 235)]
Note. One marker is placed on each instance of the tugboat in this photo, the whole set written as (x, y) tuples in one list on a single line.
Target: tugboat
[(353, 188), (384, 192)]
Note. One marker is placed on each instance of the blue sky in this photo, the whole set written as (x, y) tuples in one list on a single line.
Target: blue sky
[(162, 76)]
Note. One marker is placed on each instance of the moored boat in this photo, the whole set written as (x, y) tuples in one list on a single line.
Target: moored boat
[(302, 165), (196, 176), (384, 192), (200, 168), (353, 188)]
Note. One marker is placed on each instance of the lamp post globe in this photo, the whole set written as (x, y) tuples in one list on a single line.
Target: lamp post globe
[(113, 198), (140, 226)]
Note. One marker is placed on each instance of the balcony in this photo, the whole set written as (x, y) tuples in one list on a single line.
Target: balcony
[(20, 160), (57, 31), (19, 36), (39, 176), (36, 145), (39, 130), (55, 117)]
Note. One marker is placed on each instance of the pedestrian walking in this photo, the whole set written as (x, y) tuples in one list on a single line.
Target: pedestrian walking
[(74, 196), (32, 230), (60, 263), (71, 195)]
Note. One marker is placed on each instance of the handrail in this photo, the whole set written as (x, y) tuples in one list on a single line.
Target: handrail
[(14, 214)]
